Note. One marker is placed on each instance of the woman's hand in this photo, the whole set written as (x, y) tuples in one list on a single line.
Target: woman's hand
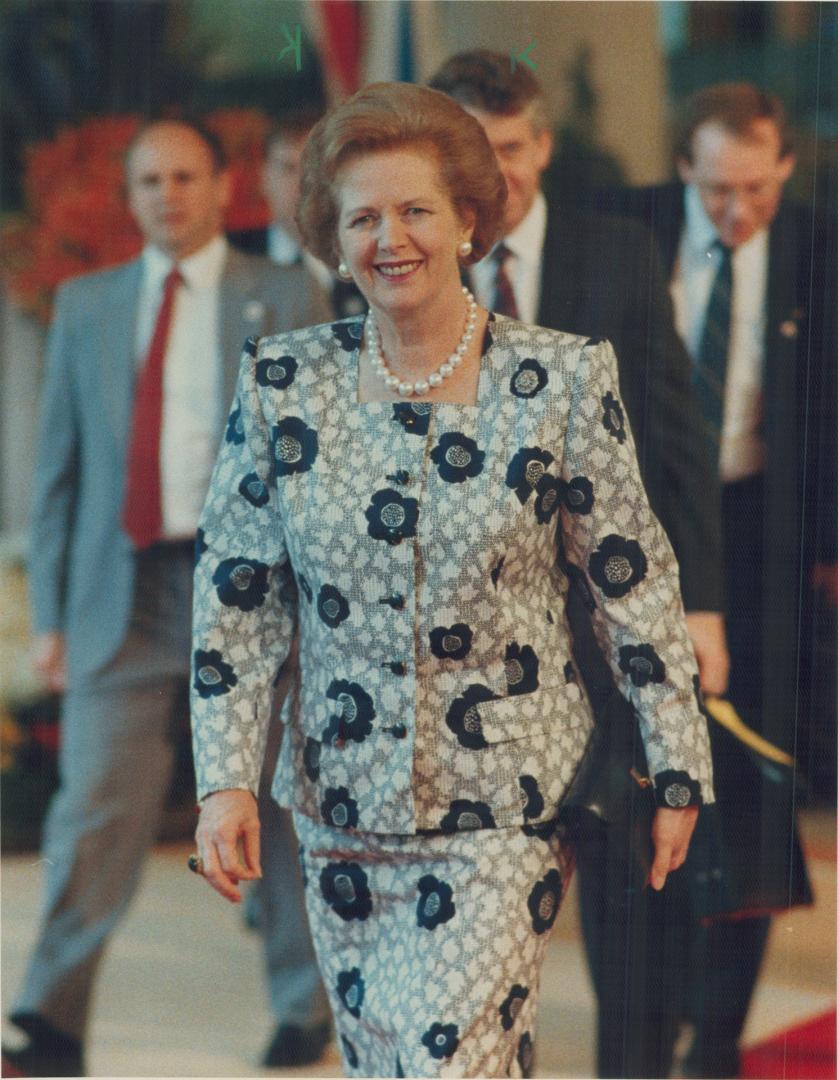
[(226, 818), (671, 832)]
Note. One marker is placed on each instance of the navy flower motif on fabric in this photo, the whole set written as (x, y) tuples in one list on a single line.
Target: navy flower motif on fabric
[(339, 808), (435, 904), (675, 788), (332, 606), (642, 664), (569, 672), (235, 427), (457, 457), (251, 346), (579, 495), (511, 1005), (311, 759), (295, 445), (521, 667), (213, 676), (278, 373), (255, 490), (529, 379), (544, 901), (617, 565), (345, 889), (356, 711), (349, 1052), (399, 1070), (525, 1055), (532, 801), (613, 418), (200, 545), (391, 516), (451, 642), (301, 855), (463, 814), (349, 334), (441, 1040), (463, 716), (241, 583), (544, 830), (549, 495), (302, 581), (526, 469), (414, 416), (699, 696), (497, 570), (580, 582), (350, 988)]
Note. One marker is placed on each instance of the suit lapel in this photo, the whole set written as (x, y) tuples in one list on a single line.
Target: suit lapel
[(561, 298), (117, 335), (242, 316)]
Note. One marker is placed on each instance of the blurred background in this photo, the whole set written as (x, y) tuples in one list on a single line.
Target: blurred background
[(75, 76)]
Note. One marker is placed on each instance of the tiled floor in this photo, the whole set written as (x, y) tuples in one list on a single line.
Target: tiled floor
[(181, 994)]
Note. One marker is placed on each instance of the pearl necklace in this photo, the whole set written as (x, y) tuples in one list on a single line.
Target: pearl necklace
[(421, 386)]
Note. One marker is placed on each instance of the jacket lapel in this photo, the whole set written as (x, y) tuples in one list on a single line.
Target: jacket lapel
[(117, 334)]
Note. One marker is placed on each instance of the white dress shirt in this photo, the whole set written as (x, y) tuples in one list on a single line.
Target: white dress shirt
[(523, 268), (742, 451), (191, 378)]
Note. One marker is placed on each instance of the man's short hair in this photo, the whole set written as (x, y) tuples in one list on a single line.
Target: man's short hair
[(196, 125), (737, 106), (485, 80), (292, 124)]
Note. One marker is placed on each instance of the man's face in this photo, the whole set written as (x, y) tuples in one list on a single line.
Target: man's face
[(739, 180), (174, 190), (281, 178), (522, 155)]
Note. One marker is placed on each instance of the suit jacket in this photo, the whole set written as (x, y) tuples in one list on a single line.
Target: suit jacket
[(343, 299), (601, 276), (799, 421), (81, 561), (431, 547)]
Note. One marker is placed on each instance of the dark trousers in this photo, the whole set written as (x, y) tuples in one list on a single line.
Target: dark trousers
[(652, 964)]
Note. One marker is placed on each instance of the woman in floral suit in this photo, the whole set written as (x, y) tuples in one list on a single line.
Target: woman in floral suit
[(412, 492)]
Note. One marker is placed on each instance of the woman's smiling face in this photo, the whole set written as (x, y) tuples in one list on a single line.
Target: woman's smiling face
[(398, 229)]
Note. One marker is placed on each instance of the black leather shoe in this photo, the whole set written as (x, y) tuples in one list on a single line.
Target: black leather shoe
[(46, 1052), (294, 1046)]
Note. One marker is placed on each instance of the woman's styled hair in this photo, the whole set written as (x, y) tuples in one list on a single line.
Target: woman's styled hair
[(391, 116)]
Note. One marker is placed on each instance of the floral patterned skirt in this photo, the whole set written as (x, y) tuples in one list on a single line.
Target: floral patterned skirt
[(431, 945)]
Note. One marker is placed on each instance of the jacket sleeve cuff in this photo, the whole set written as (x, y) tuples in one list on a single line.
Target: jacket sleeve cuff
[(675, 790)]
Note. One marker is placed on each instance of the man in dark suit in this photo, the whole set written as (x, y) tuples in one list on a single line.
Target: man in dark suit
[(754, 279), (586, 273), (141, 368)]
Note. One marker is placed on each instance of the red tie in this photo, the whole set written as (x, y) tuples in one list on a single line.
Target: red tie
[(142, 514), (504, 296)]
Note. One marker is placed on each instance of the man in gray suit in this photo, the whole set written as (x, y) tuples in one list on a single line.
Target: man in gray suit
[(141, 367)]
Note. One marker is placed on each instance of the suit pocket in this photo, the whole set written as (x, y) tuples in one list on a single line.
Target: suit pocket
[(553, 708)]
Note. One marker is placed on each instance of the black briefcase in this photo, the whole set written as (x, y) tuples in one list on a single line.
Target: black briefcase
[(745, 858)]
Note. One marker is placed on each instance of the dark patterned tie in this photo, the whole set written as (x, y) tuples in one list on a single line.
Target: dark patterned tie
[(142, 513), (504, 303), (710, 368)]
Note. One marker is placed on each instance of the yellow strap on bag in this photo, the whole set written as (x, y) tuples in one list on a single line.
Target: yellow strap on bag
[(724, 713)]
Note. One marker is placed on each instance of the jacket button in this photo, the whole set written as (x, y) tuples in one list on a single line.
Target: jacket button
[(398, 668), (397, 602), (398, 731)]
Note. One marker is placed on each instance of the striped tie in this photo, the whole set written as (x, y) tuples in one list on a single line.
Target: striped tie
[(504, 296), (710, 368)]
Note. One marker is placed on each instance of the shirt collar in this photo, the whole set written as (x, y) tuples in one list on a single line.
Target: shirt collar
[(202, 269), (527, 239), (282, 247)]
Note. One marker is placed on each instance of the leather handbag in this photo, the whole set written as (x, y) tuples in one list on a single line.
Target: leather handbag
[(745, 858), (611, 789)]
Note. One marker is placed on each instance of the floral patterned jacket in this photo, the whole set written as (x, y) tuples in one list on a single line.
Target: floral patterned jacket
[(431, 546)]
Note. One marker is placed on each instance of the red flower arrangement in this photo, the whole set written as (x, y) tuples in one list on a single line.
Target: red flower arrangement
[(77, 218)]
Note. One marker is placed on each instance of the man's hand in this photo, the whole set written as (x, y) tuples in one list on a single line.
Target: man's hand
[(825, 578), (228, 817), (707, 633), (48, 659), (671, 833)]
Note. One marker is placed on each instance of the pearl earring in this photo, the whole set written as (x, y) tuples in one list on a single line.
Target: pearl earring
[(343, 272), (464, 249)]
